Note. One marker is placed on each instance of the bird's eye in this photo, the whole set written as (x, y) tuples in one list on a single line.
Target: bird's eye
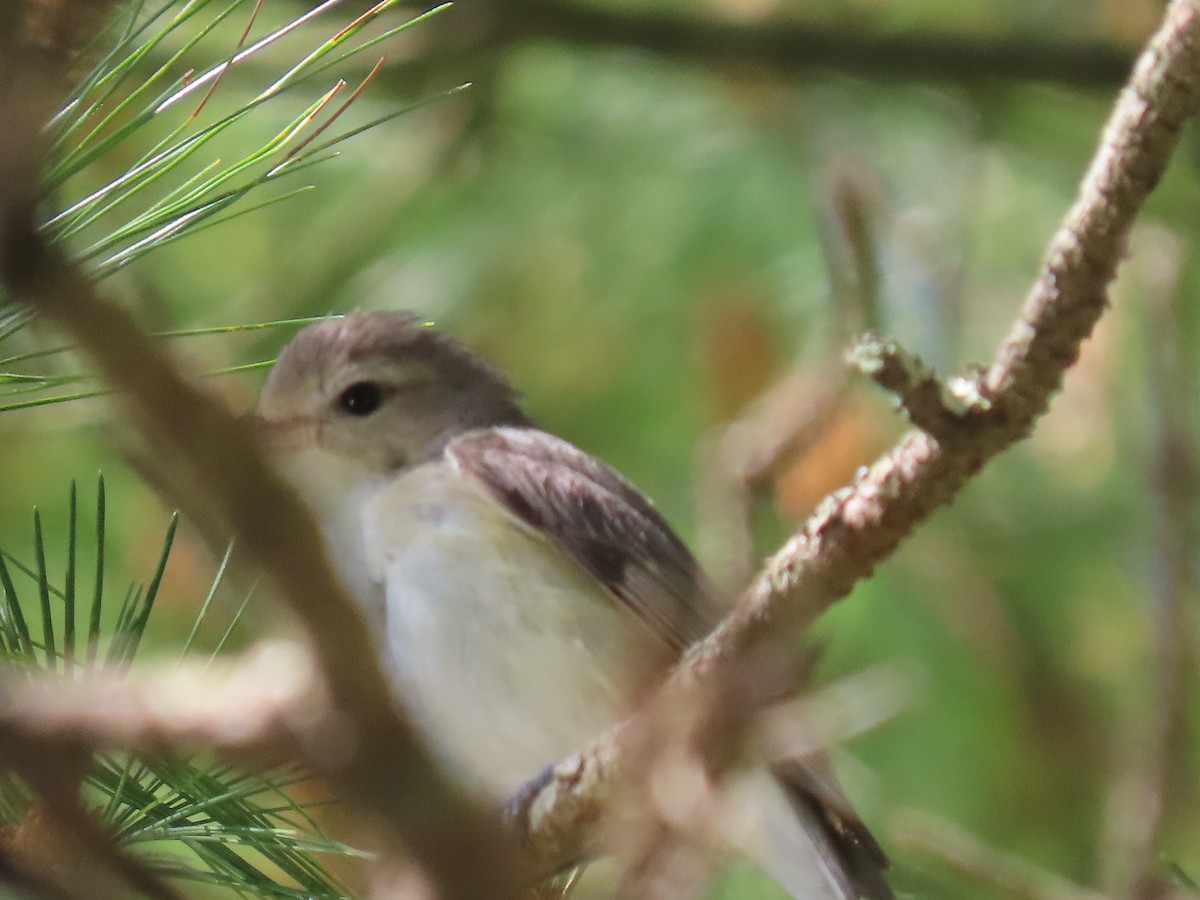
[(361, 399)]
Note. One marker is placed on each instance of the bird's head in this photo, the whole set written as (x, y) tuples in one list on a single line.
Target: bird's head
[(355, 400)]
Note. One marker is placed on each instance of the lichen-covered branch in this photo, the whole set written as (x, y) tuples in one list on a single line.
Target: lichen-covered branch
[(939, 409), (777, 45), (376, 760), (859, 526)]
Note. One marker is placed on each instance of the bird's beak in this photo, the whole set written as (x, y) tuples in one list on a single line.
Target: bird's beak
[(281, 435)]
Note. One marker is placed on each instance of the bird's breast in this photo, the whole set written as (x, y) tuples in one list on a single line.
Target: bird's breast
[(504, 651)]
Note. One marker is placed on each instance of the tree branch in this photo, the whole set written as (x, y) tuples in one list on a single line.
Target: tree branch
[(268, 706), (791, 49), (1156, 735), (861, 525), (940, 410), (963, 853), (377, 762), (370, 753), (778, 46)]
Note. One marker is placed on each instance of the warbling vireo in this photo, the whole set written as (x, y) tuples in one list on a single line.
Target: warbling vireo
[(510, 576)]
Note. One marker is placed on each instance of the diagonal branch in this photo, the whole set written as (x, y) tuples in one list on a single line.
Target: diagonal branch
[(1155, 741), (380, 766), (369, 752), (964, 854), (859, 526)]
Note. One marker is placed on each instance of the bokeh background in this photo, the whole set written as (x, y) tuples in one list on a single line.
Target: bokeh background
[(648, 212)]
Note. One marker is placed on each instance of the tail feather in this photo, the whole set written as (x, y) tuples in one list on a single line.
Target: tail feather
[(821, 799), (811, 850)]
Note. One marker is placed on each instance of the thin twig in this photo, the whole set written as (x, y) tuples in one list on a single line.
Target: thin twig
[(794, 414), (963, 853), (736, 465)]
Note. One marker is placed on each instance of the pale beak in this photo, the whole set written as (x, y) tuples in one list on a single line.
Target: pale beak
[(286, 434)]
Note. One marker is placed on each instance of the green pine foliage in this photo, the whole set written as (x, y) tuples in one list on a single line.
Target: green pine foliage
[(144, 103), (188, 163), (187, 819)]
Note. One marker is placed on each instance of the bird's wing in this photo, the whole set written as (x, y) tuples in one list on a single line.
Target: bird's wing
[(599, 519), (609, 528), (817, 798)]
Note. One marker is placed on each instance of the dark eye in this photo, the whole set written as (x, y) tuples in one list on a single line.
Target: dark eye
[(361, 399)]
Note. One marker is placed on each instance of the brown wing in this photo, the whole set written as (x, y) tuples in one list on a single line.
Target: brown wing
[(610, 528), (602, 521)]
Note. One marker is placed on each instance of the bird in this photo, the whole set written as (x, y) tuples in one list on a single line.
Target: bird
[(508, 577)]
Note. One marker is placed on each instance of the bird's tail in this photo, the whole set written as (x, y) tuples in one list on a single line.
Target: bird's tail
[(810, 848)]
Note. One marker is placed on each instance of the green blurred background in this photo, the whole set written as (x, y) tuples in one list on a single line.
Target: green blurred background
[(647, 237)]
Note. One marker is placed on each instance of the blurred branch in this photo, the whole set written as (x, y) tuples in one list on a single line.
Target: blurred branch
[(269, 705), (1175, 484), (60, 28), (961, 852), (850, 223), (781, 47), (859, 526), (34, 855), (738, 464), (376, 761), (1159, 727), (15, 874), (58, 828), (379, 765)]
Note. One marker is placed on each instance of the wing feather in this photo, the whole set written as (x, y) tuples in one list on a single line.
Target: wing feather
[(601, 520), (609, 528)]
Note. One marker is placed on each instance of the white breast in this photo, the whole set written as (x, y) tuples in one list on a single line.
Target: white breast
[(502, 648), (504, 652)]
